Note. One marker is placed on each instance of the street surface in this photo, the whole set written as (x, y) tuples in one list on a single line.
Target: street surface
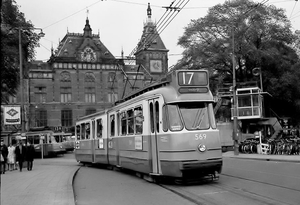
[(243, 182)]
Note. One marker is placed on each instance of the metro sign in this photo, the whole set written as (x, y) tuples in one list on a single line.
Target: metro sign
[(12, 115), (12, 112)]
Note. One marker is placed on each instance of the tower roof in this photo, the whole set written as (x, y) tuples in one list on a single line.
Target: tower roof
[(150, 39), (74, 45)]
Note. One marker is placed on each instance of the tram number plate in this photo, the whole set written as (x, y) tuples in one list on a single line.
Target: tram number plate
[(200, 136)]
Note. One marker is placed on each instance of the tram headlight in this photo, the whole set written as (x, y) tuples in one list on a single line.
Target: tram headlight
[(201, 147)]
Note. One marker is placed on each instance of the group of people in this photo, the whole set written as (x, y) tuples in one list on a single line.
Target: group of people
[(18, 154)]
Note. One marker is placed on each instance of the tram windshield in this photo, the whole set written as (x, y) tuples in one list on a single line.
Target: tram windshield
[(191, 115)]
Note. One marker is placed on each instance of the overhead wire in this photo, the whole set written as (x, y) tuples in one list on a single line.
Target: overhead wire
[(293, 9), (72, 14), (169, 20), (163, 22)]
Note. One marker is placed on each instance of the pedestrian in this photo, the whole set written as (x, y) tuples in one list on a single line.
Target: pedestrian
[(30, 155), (4, 153), (20, 154), (11, 157)]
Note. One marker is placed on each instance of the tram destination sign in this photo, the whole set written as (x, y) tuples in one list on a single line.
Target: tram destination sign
[(193, 90), (193, 78)]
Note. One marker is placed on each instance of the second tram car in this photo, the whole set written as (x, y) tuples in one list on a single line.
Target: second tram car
[(68, 141), (46, 142), (167, 129)]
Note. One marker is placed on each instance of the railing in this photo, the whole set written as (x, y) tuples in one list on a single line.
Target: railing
[(249, 112)]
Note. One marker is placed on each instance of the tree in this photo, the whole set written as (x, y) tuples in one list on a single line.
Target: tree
[(11, 21), (258, 35)]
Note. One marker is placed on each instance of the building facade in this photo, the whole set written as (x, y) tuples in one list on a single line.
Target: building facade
[(82, 77)]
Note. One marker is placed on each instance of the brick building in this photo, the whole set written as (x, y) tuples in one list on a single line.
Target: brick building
[(82, 77)]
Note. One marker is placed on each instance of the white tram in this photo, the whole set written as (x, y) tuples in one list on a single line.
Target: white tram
[(167, 129)]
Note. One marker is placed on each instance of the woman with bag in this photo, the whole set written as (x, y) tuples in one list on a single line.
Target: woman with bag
[(11, 157)]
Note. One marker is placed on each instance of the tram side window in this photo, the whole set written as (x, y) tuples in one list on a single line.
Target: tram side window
[(151, 117), (157, 116), (36, 139), (99, 128), (165, 119), (87, 130), (83, 131), (30, 139), (52, 139), (58, 138), (78, 132), (138, 120), (123, 123), (112, 125), (130, 122)]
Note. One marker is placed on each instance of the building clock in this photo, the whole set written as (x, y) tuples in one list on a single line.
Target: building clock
[(156, 66), (88, 55)]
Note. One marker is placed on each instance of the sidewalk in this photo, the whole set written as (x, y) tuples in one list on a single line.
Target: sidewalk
[(281, 158), (49, 183)]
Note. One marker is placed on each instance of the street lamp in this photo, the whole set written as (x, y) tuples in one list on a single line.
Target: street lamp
[(41, 34), (234, 131)]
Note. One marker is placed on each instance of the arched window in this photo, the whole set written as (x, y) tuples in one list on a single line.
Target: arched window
[(89, 77)]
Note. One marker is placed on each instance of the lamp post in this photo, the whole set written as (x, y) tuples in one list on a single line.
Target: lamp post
[(21, 83), (234, 131), (41, 34)]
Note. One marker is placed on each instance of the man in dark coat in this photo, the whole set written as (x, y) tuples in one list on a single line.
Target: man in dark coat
[(4, 153), (20, 154), (29, 155)]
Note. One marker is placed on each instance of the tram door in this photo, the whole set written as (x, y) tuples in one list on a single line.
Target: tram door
[(154, 111), (93, 141)]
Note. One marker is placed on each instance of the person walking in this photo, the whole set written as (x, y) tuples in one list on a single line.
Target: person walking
[(20, 154), (30, 155), (11, 157), (4, 153)]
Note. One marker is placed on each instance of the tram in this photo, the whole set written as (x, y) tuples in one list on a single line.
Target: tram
[(167, 129), (68, 141), (46, 142)]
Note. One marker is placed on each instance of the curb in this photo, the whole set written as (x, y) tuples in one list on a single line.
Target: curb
[(266, 159), (72, 184)]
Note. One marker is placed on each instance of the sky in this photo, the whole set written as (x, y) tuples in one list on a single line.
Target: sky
[(120, 22)]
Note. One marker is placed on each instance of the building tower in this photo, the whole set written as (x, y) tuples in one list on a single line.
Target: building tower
[(151, 51)]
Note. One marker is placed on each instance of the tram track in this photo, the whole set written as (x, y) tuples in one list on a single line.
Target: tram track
[(257, 181), (227, 190), (217, 193)]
